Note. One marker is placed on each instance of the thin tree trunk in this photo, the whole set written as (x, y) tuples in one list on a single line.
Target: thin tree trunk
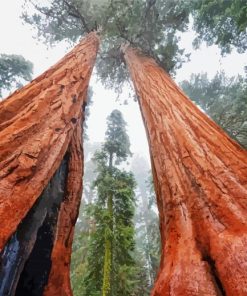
[(108, 256), (107, 270), (37, 124), (200, 177)]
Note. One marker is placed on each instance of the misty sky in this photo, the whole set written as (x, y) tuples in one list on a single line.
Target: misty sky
[(18, 38)]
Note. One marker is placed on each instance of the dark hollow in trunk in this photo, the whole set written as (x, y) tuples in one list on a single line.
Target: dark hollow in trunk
[(25, 260)]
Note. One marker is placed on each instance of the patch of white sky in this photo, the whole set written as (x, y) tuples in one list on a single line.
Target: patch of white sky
[(18, 38)]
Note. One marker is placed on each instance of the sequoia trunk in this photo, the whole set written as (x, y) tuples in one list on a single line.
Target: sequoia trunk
[(200, 178), (59, 278), (40, 131)]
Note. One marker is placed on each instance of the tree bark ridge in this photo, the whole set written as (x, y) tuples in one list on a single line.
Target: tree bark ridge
[(59, 278)]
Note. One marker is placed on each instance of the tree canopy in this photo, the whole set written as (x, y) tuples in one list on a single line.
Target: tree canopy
[(14, 71), (150, 25), (221, 22), (116, 141), (224, 99)]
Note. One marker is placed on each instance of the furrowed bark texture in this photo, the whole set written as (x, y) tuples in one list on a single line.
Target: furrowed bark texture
[(36, 127), (200, 177), (25, 259), (35, 268), (59, 278)]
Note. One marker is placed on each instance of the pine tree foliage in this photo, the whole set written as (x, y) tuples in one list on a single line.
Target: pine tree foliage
[(79, 259), (117, 142), (112, 212), (221, 22), (223, 99), (146, 224), (150, 25), (14, 71)]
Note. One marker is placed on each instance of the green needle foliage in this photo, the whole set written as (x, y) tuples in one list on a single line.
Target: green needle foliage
[(111, 269), (221, 22), (150, 25), (78, 260), (146, 224), (14, 71), (224, 99)]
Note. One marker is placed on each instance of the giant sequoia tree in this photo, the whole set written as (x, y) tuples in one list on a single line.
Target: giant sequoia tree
[(199, 172), (200, 180), (41, 175)]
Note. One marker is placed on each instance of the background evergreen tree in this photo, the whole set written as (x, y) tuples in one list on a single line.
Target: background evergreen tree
[(146, 224), (111, 269), (224, 99), (14, 71), (221, 22)]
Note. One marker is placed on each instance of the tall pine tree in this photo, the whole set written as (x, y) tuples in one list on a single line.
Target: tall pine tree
[(111, 267)]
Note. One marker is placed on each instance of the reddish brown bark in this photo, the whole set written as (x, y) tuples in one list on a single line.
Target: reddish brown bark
[(59, 279), (200, 178), (36, 126)]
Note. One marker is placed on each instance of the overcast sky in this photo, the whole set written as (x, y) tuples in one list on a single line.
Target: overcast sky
[(18, 38)]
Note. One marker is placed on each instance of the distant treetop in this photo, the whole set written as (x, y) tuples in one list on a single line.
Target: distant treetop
[(14, 71)]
